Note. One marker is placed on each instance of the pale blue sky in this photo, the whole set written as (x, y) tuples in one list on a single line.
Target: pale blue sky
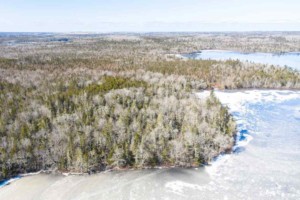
[(150, 15)]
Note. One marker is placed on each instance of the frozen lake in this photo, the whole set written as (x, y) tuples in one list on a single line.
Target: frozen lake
[(291, 59), (265, 165)]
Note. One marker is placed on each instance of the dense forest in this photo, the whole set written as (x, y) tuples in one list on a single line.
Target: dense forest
[(86, 103)]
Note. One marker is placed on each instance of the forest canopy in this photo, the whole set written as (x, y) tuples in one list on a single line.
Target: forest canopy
[(95, 102)]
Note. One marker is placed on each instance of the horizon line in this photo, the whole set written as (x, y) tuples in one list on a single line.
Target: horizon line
[(105, 32)]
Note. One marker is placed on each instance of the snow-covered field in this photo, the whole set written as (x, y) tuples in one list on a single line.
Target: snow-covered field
[(265, 163)]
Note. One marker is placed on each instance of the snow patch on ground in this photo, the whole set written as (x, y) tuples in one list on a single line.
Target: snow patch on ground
[(178, 187)]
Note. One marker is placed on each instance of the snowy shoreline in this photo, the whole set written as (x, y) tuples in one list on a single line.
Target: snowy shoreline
[(15, 178), (7, 182)]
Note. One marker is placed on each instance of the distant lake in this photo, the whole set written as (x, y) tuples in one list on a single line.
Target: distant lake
[(291, 59)]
